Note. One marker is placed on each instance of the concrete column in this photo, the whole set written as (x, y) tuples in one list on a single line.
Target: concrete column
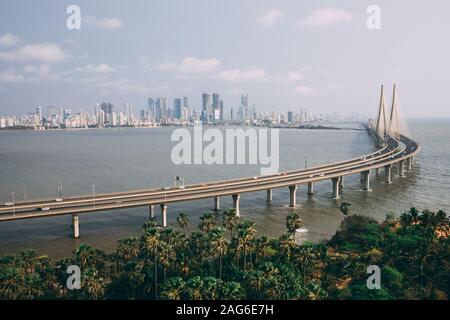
[(217, 203), (76, 227), (269, 195), (388, 173), (401, 168), (292, 195), (151, 211), (378, 171), (341, 183), (362, 177), (366, 180), (310, 188), (410, 161), (335, 187), (236, 198), (164, 215)]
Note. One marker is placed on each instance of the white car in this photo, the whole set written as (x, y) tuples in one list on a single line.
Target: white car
[(44, 208), (9, 203), (58, 199)]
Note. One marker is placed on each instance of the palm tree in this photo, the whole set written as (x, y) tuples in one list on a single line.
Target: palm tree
[(345, 208), (194, 287), (245, 238), (219, 246), (261, 245), (211, 287), (173, 288), (286, 244), (93, 285), (231, 291), (293, 222), (128, 249), (183, 221), (165, 257), (151, 244), (207, 222), (230, 220)]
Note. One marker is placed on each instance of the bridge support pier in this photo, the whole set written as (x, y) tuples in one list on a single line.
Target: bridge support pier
[(378, 171), (151, 211), (341, 182), (335, 187), (164, 215), (217, 203), (366, 174), (401, 168), (388, 173), (76, 226), (310, 188), (409, 163), (236, 198), (362, 177), (269, 195), (292, 195)]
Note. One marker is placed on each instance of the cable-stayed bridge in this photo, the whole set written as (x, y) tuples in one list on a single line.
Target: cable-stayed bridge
[(395, 149)]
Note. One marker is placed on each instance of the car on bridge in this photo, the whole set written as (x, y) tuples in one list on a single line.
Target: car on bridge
[(9, 204), (44, 208)]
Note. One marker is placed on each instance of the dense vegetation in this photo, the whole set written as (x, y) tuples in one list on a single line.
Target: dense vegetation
[(231, 262)]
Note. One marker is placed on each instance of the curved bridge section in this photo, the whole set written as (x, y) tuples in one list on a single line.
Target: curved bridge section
[(399, 152)]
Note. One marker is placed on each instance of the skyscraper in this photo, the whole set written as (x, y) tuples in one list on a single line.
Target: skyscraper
[(186, 106), (244, 103), (215, 107), (221, 111), (177, 109), (161, 109), (151, 108), (39, 113), (206, 108)]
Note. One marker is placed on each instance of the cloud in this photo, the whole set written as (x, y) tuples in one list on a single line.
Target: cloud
[(242, 75), (42, 72), (270, 18), (43, 52), (292, 76), (325, 17), (8, 39), (27, 74), (11, 75), (190, 65), (105, 23), (305, 90)]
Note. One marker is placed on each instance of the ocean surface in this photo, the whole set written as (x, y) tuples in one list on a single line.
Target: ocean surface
[(33, 163)]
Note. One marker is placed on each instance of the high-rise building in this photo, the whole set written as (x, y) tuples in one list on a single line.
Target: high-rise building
[(51, 111), (177, 109), (67, 113), (39, 114), (107, 109), (186, 105), (290, 117), (221, 111), (161, 109), (206, 108), (151, 108), (244, 104), (215, 107)]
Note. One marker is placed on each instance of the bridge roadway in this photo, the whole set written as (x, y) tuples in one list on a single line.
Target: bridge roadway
[(401, 152)]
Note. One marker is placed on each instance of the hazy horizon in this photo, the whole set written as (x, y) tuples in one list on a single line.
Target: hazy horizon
[(286, 55)]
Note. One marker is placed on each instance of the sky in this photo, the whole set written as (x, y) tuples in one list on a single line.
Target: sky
[(286, 55)]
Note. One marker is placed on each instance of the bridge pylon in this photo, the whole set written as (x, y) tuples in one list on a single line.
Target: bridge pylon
[(381, 123)]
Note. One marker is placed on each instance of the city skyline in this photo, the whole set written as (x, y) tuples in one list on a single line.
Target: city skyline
[(285, 55), (159, 112)]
